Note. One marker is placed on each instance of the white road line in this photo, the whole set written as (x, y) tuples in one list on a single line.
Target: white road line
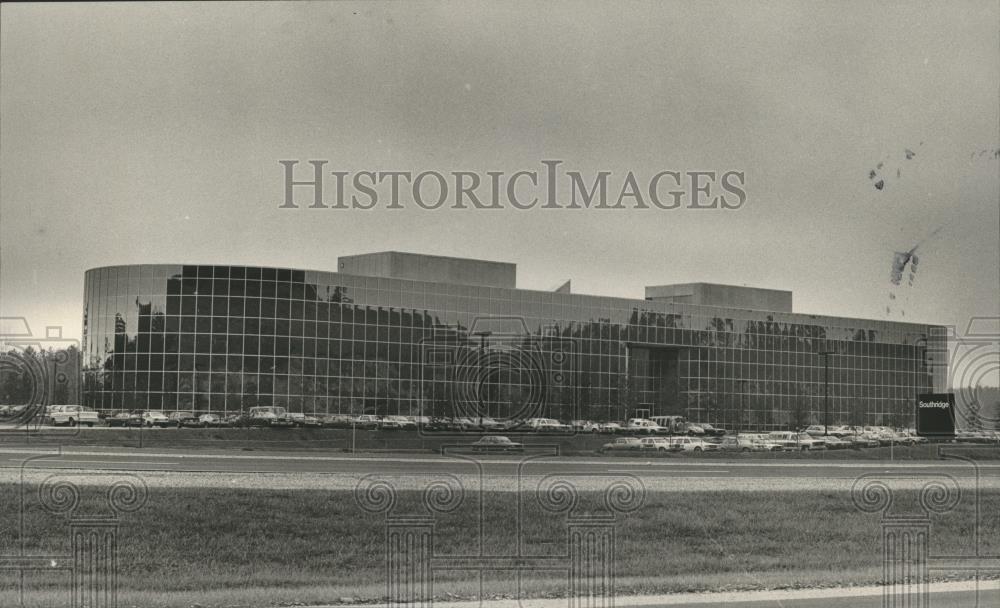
[(670, 471), (985, 588), (73, 460)]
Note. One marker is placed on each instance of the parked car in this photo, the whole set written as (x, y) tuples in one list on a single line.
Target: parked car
[(816, 430), (644, 426), (179, 419), (833, 442), (789, 440), (612, 428), (154, 418), (740, 443), (808, 442), (862, 440), (366, 421), (622, 444), (659, 444), (125, 419), (692, 444), (463, 424), (72, 415), (420, 422), (336, 421), (209, 420), (304, 420), (547, 425), (764, 441), (585, 426), (840, 430), (270, 415), (395, 423), (711, 431), (489, 425), (914, 438), (438, 423), (496, 443)]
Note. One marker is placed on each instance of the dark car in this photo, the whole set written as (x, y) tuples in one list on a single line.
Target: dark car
[(712, 431), (180, 419), (337, 421), (125, 419), (497, 443)]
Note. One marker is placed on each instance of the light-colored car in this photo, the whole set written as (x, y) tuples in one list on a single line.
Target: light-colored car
[(396, 423), (764, 441), (862, 440), (622, 444), (585, 426), (659, 444), (154, 418), (209, 420), (547, 425), (644, 426), (808, 442), (72, 415), (692, 444), (612, 428), (790, 441), (740, 443), (786, 440)]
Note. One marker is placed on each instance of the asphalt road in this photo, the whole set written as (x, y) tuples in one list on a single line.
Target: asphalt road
[(252, 461)]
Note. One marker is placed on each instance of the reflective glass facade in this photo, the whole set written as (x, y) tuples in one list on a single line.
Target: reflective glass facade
[(226, 338)]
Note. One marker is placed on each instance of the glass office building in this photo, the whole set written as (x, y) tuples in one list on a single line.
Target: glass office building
[(226, 338)]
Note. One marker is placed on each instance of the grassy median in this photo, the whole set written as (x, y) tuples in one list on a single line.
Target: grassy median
[(221, 547)]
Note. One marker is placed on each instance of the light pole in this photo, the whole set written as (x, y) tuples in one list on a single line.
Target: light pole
[(482, 384), (826, 389)]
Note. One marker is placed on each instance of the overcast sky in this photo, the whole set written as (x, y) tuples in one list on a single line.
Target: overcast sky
[(152, 134)]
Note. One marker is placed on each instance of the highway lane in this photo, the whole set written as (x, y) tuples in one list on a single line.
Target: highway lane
[(244, 461)]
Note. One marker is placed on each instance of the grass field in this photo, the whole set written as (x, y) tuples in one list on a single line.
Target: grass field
[(220, 547)]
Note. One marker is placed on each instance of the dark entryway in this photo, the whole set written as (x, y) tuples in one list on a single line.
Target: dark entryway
[(653, 375)]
